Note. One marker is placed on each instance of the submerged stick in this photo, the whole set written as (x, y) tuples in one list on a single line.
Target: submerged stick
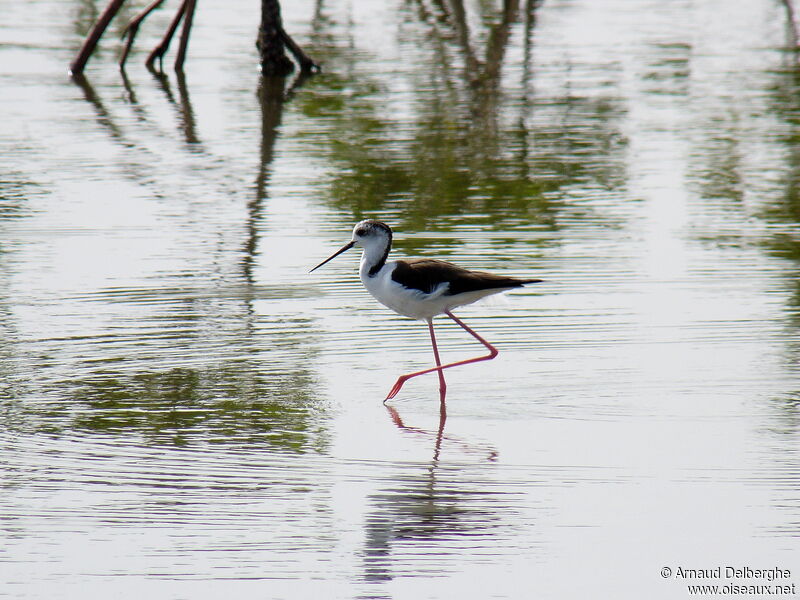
[(188, 16), (89, 44), (133, 28), (162, 47), (307, 65)]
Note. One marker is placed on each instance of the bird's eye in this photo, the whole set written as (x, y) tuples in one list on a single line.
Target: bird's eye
[(361, 232)]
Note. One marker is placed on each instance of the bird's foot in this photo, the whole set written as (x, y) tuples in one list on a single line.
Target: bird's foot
[(396, 387)]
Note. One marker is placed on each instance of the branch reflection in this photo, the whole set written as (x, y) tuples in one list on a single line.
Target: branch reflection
[(186, 120), (103, 115), (452, 151)]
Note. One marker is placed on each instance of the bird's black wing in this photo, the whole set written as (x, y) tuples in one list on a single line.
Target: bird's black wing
[(426, 274)]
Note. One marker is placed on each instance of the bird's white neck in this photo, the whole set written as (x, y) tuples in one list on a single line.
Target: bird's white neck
[(374, 256)]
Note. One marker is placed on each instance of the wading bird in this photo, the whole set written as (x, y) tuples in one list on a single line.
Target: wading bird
[(421, 288)]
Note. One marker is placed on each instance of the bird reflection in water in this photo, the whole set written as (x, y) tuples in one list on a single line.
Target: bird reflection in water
[(441, 509)]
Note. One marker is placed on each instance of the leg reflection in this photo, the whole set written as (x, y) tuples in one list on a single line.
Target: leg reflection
[(439, 436)]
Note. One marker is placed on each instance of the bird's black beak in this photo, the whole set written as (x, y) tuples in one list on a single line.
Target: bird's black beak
[(344, 248)]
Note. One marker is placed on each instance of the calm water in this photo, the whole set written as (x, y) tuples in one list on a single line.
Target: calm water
[(186, 413)]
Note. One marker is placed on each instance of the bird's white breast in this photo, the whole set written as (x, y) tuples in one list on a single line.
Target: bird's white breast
[(402, 300)]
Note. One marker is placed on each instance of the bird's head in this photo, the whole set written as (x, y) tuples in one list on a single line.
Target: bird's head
[(373, 236)]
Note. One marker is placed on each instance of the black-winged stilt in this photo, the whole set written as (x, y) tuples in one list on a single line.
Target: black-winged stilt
[(421, 288)]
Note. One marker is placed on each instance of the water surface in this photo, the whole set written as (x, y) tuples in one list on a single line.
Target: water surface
[(186, 412)]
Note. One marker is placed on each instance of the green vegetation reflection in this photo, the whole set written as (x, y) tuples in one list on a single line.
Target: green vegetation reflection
[(462, 142), (182, 406)]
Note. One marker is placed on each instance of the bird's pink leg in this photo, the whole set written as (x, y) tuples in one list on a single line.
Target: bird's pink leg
[(442, 384), (439, 367)]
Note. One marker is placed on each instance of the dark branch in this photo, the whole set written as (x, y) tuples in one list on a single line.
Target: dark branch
[(133, 28), (188, 17), (76, 68), (161, 49), (307, 65)]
